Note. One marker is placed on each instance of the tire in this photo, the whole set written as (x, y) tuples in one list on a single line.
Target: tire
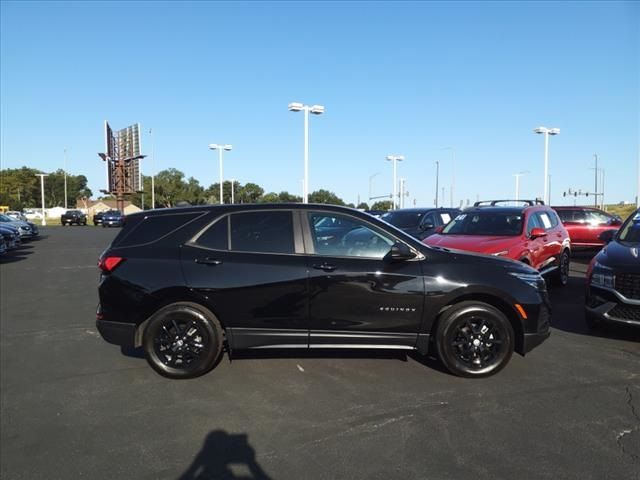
[(182, 340), (560, 277), (84, 224), (461, 338), (104, 226)]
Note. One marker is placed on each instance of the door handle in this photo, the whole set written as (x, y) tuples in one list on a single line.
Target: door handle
[(325, 266), (208, 261)]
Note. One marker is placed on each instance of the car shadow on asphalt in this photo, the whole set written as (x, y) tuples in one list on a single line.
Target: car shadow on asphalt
[(20, 253), (225, 456)]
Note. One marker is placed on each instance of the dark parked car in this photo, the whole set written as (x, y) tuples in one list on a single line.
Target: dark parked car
[(420, 222), (26, 230), (613, 277), (112, 218), (73, 216), (97, 218), (10, 235), (181, 282), (3, 245), (585, 224)]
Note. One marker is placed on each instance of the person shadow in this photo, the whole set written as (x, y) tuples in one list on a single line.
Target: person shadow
[(225, 456)]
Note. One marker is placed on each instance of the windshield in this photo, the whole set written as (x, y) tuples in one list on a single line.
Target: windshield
[(403, 219), (485, 223), (4, 218), (630, 231)]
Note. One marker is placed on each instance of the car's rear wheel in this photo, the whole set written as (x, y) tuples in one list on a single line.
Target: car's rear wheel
[(474, 339), (561, 275), (182, 340)]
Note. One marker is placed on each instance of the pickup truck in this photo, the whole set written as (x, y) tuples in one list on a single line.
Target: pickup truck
[(73, 216)]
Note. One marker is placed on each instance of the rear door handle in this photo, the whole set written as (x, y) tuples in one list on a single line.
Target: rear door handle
[(325, 266), (208, 261)]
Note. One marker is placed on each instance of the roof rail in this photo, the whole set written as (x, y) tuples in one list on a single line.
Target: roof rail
[(493, 203)]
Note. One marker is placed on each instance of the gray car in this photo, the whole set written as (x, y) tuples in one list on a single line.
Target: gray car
[(25, 229)]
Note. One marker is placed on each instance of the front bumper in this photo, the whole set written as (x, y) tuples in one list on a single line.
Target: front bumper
[(607, 305)]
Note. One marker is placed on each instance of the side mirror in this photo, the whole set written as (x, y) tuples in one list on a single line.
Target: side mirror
[(607, 235), (438, 229), (537, 233), (400, 251), (425, 226)]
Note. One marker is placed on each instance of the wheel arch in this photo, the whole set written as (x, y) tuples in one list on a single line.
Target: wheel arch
[(495, 301), (169, 297)]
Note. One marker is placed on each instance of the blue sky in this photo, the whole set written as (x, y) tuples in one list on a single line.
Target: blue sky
[(408, 78)]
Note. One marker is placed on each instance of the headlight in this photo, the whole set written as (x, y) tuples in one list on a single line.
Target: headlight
[(602, 276), (533, 279)]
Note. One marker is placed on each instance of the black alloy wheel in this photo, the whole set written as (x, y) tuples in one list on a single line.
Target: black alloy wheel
[(182, 340), (561, 275), (474, 339)]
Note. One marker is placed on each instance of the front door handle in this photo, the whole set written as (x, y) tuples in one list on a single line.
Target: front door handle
[(325, 266), (208, 261)]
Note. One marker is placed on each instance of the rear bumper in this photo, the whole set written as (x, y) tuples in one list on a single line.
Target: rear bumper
[(118, 333)]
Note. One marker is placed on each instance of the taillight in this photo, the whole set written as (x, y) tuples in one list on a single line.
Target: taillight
[(109, 264)]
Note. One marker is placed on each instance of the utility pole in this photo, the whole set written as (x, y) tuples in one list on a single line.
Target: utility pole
[(42, 175), (595, 198), (65, 178), (153, 174), (437, 180)]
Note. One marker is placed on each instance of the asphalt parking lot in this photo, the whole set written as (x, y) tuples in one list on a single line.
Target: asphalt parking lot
[(73, 406)]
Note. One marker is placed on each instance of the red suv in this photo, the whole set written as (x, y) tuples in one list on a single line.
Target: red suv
[(585, 224), (531, 233)]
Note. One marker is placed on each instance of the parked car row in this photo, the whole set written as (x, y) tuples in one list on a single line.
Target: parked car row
[(14, 230), (108, 218)]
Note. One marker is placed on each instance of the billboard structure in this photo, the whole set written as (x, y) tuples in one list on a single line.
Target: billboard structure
[(122, 157)]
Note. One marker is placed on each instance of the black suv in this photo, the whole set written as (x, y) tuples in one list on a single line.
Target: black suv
[(183, 282), (613, 277), (420, 222)]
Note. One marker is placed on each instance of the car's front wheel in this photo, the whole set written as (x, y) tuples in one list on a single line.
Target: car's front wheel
[(474, 339), (182, 340)]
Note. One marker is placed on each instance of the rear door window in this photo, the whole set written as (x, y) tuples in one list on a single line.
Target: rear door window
[(262, 232), (216, 236), (153, 228)]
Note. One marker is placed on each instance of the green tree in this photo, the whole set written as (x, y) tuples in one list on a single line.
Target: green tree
[(363, 206), (170, 187), (249, 193), (325, 196), (20, 188), (382, 205)]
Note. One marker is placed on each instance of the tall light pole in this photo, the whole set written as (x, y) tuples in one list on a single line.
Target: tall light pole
[(232, 196), (65, 178), (42, 175), (395, 159), (518, 175), (220, 147), (437, 180), (316, 110), (546, 132), (371, 177), (153, 173)]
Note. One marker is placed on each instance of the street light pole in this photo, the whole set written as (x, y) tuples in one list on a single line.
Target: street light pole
[(232, 195), (220, 147), (518, 175), (316, 110), (395, 159), (65, 178), (371, 177), (437, 180), (42, 175), (546, 132), (153, 173)]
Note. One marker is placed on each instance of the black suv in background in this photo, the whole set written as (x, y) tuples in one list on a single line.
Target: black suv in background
[(420, 222), (182, 282), (613, 277)]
